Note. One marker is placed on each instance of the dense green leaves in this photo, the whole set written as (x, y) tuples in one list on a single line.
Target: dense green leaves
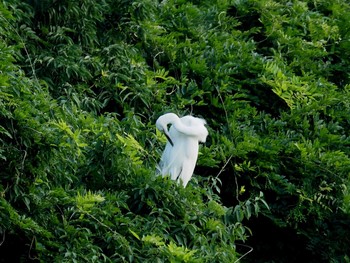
[(82, 83)]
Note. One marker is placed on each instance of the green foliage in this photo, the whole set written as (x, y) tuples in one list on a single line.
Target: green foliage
[(82, 83)]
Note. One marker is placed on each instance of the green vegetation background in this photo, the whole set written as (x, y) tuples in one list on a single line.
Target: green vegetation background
[(82, 83)]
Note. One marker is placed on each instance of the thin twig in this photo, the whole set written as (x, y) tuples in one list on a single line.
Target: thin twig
[(156, 55), (223, 168), (237, 191), (230, 131), (3, 238), (250, 250), (99, 221), (30, 249), (223, 106), (24, 158)]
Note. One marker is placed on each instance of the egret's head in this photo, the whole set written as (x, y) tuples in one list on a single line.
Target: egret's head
[(162, 124)]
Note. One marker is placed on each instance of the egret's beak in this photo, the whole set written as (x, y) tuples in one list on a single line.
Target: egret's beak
[(168, 137)]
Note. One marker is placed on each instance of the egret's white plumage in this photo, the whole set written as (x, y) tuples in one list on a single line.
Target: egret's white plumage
[(181, 151)]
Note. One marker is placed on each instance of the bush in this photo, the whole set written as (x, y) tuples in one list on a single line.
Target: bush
[(82, 84)]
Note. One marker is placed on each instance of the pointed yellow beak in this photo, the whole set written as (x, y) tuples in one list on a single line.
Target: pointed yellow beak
[(168, 137)]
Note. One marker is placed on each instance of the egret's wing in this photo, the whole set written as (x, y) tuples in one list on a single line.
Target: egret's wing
[(187, 171), (192, 126), (166, 160), (189, 159)]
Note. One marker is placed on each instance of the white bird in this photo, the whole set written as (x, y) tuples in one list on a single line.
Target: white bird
[(181, 151)]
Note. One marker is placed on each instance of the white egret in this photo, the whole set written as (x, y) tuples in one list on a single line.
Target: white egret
[(181, 151)]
